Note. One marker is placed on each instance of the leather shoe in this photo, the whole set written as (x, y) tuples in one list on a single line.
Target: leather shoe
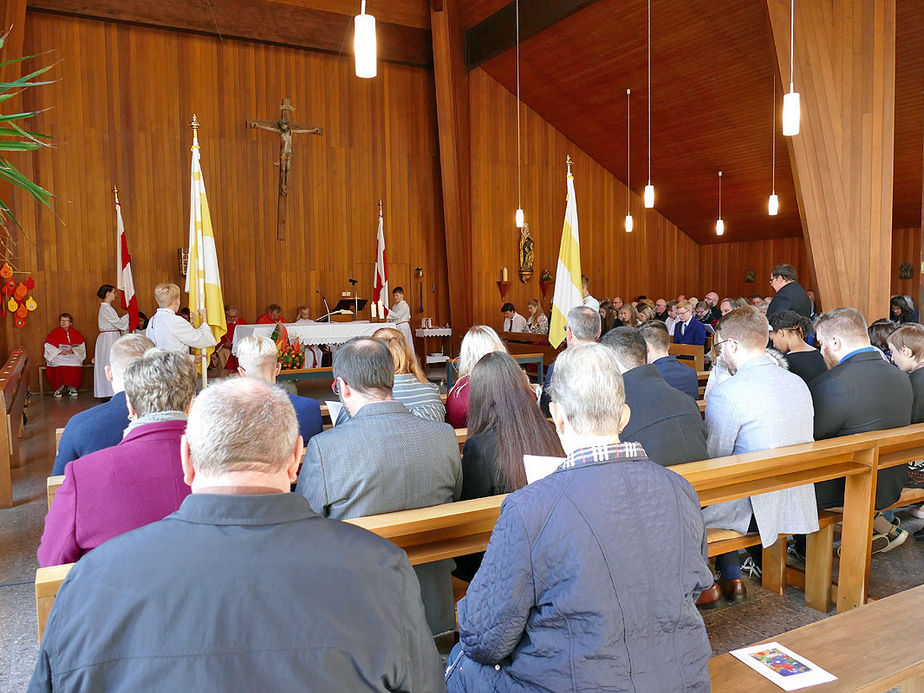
[(711, 598), (734, 590)]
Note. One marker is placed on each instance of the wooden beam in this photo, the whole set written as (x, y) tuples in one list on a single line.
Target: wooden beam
[(255, 20), (497, 33), (452, 110), (842, 159)]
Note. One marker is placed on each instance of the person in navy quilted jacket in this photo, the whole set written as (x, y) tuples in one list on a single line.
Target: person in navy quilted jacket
[(560, 602)]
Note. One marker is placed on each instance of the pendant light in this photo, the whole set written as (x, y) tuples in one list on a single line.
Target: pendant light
[(791, 108), (649, 189), (719, 224), (364, 43), (520, 220), (629, 223), (773, 204)]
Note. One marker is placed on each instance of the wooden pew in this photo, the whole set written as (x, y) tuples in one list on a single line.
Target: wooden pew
[(454, 529), (698, 360), (52, 484), (527, 343), (14, 388), (41, 370), (858, 647)]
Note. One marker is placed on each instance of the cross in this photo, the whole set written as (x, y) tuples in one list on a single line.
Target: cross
[(285, 130)]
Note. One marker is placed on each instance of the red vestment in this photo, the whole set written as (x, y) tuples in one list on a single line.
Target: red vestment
[(65, 350), (265, 319)]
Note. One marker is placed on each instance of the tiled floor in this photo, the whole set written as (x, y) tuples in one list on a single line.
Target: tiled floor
[(763, 615)]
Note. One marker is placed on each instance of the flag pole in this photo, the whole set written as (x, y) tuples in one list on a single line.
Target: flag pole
[(200, 292)]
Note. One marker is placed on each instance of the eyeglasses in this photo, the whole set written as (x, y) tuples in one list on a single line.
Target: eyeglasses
[(716, 346)]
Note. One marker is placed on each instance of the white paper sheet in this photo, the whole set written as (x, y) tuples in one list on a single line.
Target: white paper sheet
[(538, 467), (782, 666), (334, 409)]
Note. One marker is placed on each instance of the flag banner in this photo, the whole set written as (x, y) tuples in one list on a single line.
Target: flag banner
[(203, 282), (124, 280), (568, 275), (380, 282)]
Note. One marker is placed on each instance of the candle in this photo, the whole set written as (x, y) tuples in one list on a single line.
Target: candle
[(374, 315), (504, 274)]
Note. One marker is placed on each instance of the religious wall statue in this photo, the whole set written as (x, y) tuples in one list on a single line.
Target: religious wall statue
[(527, 254), (285, 129)]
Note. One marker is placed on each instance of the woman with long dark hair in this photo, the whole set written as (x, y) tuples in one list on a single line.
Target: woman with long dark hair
[(899, 310), (504, 423), (788, 332)]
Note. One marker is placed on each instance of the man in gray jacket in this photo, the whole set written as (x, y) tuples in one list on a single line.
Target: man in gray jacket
[(244, 588), (384, 459)]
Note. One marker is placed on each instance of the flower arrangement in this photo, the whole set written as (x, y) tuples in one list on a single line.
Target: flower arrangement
[(546, 276), (291, 355)]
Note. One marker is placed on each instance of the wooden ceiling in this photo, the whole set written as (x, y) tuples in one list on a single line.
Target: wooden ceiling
[(712, 92)]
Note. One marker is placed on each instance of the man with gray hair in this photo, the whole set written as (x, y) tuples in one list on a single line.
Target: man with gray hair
[(103, 425), (665, 421), (383, 459), (860, 392), (634, 552), (255, 591), (582, 326), (258, 357)]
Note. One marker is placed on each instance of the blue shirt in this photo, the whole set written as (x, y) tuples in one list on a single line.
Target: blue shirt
[(858, 351), (308, 413), (100, 427)]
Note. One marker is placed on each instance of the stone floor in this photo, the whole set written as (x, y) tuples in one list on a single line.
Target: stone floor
[(763, 615)]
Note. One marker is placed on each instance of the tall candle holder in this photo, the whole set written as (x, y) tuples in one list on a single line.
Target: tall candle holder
[(503, 287)]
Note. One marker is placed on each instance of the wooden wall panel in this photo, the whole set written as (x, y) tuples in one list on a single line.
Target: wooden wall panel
[(120, 112), (723, 266), (906, 247), (657, 258)]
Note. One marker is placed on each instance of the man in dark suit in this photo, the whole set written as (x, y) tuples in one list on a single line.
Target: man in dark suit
[(675, 374), (257, 357), (664, 420), (789, 294), (256, 591), (687, 329), (103, 425), (383, 459), (860, 392), (582, 326)]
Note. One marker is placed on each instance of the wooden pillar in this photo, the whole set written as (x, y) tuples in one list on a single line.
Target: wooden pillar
[(842, 158), (452, 96)]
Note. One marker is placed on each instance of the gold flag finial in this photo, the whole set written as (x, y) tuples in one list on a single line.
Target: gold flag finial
[(380, 208), (115, 191), (569, 162), (194, 124)]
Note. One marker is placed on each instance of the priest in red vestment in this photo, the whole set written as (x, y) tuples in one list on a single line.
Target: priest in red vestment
[(272, 315), (65, 352)]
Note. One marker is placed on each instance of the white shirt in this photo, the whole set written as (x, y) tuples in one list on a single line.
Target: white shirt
[(591, 302), (400, 312), (670, 322), (172, 332), (515, 324)]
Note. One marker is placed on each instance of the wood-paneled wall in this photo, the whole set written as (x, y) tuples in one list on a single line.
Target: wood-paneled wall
[(906, 247), (723, 266), (119, 114), (656, 258)]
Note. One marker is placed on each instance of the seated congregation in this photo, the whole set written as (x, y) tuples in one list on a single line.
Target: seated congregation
[(192, 543)]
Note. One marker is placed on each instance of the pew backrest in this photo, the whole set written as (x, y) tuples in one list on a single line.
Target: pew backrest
[(13, 391), (697, 360)]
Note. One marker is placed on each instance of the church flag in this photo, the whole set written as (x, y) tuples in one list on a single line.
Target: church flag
[(203, 283), (568, 275), (380, 282), (124, 280)]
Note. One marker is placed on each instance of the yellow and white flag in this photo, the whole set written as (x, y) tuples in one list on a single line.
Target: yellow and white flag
[(568, 275), (203, 282)]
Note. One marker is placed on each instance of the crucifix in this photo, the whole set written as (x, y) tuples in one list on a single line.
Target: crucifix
[(285, 130)]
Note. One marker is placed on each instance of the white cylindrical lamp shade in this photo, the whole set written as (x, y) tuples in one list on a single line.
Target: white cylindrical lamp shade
[(364, 46), (649, 196), (773, 205), (520, 220), (719, 228), (791, 113), (630, 224)]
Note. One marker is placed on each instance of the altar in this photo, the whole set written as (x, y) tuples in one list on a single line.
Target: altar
[(312, 333)]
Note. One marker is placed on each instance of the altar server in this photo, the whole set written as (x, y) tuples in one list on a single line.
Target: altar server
[(111, 327), (400, 314), (65, 352)]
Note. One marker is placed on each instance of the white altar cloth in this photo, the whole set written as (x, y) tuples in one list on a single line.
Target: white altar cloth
[(313, 333)]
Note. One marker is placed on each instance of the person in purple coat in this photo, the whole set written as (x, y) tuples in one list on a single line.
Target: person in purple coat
[(134, 483)]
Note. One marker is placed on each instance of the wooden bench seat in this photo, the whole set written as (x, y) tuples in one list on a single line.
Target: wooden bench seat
[(41, 370), (13, 391), (859, 647)]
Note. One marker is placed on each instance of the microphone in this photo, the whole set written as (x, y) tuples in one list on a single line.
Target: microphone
[(326, 307)]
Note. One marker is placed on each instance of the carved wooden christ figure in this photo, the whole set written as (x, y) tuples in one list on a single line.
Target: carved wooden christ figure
[(285, 130)]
